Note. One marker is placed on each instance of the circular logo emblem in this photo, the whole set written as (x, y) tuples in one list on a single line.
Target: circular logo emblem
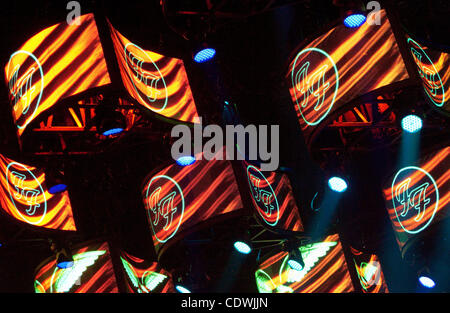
[(432, 82), (263, 196), (313, 75), (25, 191), (165, 207), (415, 198), (26, 85), (148, 82)]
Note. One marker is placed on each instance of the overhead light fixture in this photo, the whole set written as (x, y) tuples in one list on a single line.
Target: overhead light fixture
[(182, 289), (242, 247), (109, 122), (186, 160), (425, 278), (354, 19), (64, 258), (411, 123), (337, 184), (295, 260), (55, 181), (204, 53)]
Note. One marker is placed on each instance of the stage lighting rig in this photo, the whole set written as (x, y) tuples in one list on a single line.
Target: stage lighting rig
[(108, 121), (352, 12)]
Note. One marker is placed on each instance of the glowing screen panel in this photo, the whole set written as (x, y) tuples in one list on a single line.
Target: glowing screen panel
[(178, 197), (273, 199), (145, 278), (24, 196), (368, 270), (60, 61), (418, 196), (325, 270), (92, 272), (157, 82), (341, 65), (434, 70)]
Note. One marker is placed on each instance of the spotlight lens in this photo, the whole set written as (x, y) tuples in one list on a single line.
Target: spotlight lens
[(411, 123), (427, 282), (65, 264), (295, 265), (182, 289), (112, 131), (204, 55), (354, 20), (337, 184), (57, 188), (242, 247), (186, 160)]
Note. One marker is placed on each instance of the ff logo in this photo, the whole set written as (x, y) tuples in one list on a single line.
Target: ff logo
[(26, 85), (24, 195), (263, 196), (432, 82), (415, 203), (165, 205), (147, 80), (315, 82)]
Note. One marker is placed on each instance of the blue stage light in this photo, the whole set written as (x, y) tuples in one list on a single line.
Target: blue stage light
[(112, 131), (182, 289), (411, 123), (186, 160), (295, 265), (65, 264), (337, 184), (354, 20), (242, 247), (204, 55), (57, 188), (427, 282)]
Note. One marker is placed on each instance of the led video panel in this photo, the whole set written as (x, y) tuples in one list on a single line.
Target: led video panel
[(24, 196), (92, 272), (339, 66), (157, 82), (418, 196), (179, 197), (325, 270), (273, 199), (145, 278), (58, 62), (434, 70), (368, 270)]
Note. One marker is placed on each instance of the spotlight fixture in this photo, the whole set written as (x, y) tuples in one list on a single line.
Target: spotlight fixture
[(295, 260), (337, 184), (55, 181), (354, 19), (352, 12), (425, 279), (182, 289), (204, 53), (64, 258), (109, 122), (411, 123), (186, 160), (242, 247)]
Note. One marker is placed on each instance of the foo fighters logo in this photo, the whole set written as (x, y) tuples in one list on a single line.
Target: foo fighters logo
[(24, 190), (315, 82), (263, 195), (147, 80), (165, 207), (415, 198), (26, 85), (432, 82)]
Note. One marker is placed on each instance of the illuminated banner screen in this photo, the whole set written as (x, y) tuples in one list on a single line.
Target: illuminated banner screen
[(273, 199), (434, 70), (24, 196), (157, 82), (339, 66), (368, 270), (145, 278), (418, 196), (60, 61), (179, 197), (92, 272), (325, 270)]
